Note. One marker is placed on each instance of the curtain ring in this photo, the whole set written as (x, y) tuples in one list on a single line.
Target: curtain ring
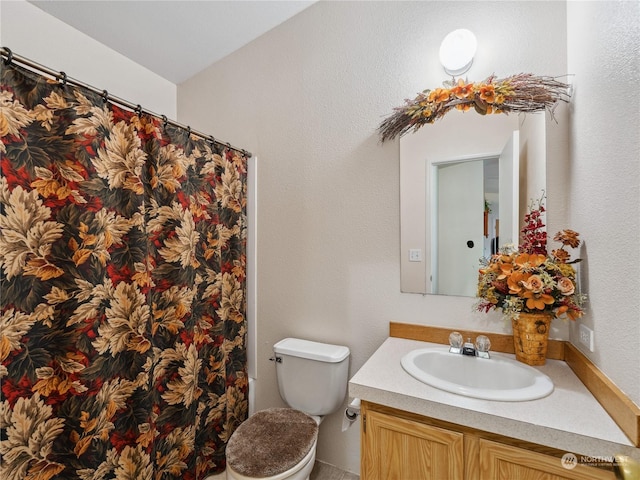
[(138, 110), (188, 130), (63, 78), (229, 146), (105, 96), (9, 59), (212, 140)]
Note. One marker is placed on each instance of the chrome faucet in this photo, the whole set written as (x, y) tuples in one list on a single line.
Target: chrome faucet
[(468, 348), (479, 349)]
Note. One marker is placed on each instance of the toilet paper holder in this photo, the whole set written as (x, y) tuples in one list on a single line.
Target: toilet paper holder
[(353, 409), (351, 414)]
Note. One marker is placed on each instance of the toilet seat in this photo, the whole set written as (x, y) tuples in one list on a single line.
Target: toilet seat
[(274, 443)]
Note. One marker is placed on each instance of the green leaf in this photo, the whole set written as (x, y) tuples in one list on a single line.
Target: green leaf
[(23, 292), (27, 361)]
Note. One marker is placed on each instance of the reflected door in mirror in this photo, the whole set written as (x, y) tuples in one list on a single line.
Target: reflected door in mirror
[(457, 138), (458, 228)]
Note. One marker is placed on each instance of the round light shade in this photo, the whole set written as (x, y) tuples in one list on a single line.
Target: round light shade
[(457, 51)]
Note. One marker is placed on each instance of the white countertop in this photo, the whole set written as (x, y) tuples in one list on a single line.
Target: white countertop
[(569, 419)]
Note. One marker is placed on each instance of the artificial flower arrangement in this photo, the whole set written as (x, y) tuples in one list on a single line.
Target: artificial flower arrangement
[(523, 93), (530, 280)]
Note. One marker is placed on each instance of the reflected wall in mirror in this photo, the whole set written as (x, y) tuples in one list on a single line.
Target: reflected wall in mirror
[(464, 186)]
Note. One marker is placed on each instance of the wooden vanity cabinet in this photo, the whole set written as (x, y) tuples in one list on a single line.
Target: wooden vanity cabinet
[(398, 445), (395, 447)]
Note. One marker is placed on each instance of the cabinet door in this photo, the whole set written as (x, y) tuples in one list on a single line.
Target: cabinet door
[(397, 449), (504, 462)]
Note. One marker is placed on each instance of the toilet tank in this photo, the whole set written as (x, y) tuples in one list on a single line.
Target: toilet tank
[(312, 376)]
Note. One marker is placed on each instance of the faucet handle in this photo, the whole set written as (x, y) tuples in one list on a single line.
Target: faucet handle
[(483, 344), (455, 342)]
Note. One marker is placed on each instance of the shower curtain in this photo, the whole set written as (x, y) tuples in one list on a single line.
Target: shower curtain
[(122, 289)]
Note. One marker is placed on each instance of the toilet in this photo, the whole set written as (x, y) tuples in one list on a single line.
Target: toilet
[(280, 443)]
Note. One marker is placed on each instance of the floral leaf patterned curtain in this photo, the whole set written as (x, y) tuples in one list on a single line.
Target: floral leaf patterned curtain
[(122, 290)]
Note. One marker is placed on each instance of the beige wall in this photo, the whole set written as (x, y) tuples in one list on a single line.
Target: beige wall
[(603, 191), (307, 99)]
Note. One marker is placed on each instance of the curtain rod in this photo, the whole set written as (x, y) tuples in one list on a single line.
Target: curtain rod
[(62, 77)]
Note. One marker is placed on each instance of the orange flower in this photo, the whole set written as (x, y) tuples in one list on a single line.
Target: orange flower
[(439, 95), (530, 261), (462, 90), (505, 270), (537, 301), (500, 264), (463, 106), (488, 93), (574, 314), (568, 237), (515, 282), (560, 255)]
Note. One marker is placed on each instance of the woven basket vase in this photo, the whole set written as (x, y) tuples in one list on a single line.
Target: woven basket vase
[(531, 337)]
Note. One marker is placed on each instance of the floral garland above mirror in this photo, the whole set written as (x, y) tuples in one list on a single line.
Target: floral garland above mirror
[(522, 93)]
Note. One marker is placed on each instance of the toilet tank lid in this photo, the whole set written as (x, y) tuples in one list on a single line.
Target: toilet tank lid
[(322, 352)]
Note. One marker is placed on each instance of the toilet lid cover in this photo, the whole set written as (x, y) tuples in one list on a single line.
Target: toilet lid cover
[(270, 442)]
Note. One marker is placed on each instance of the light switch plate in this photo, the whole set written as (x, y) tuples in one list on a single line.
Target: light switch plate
[(415, 255)]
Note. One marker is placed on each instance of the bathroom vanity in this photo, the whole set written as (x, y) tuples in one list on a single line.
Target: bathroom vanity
[(401, 445), (412, 430)]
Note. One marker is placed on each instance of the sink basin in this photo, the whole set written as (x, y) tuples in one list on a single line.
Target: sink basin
[(495, 378)]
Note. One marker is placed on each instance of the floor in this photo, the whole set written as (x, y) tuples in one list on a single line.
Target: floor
[(321, 471), (324, 471)]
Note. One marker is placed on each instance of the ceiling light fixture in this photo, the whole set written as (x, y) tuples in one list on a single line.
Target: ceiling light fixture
[(457, 51)]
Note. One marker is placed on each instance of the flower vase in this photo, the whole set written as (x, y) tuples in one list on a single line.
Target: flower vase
[(531, 337)]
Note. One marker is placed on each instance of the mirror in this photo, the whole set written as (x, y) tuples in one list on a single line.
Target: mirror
[(465, 182)]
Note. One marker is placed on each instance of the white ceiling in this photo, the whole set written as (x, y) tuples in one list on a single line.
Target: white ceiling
[(176, 39)]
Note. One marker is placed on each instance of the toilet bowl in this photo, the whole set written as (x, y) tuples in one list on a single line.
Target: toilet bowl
[(280, 443)]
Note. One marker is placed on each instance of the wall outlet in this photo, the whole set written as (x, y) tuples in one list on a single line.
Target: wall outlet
[(586, 337)]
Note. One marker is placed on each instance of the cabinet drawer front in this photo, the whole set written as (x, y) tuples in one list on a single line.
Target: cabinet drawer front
[(399, 449), (505, 462)]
